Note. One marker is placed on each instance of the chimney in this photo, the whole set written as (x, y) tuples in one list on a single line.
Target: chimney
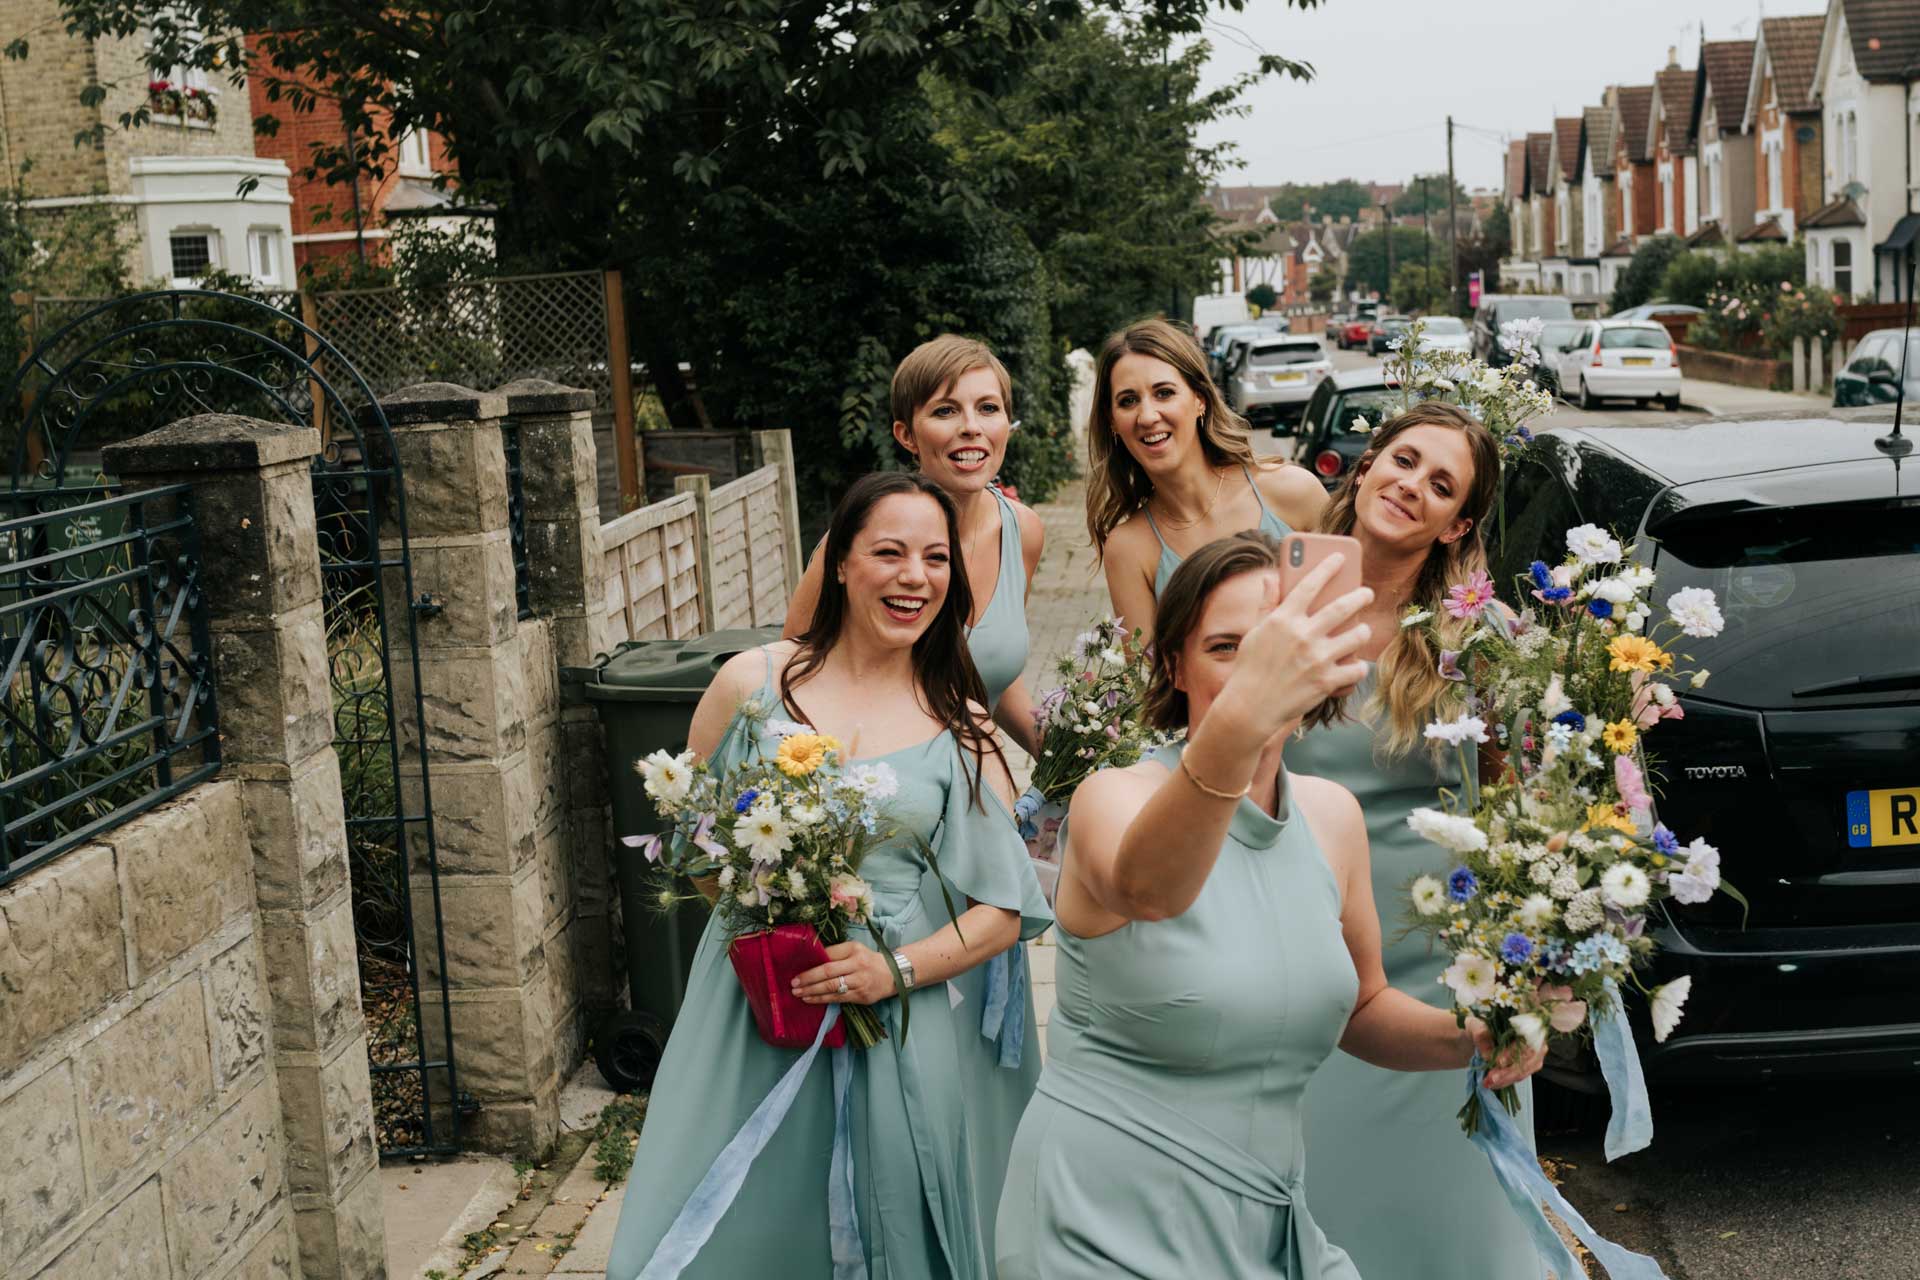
[(1673, 58)]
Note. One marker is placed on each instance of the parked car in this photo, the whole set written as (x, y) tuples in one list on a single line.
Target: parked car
[(1275, 378), (1654, 310), (1498, 308), (1445, 333), (1358, 330), (1805, 532), (1222, 340), (1620, 359), (1339, 420), (1556, 338), (1335, 323), (1873, 375), (1384, 330)]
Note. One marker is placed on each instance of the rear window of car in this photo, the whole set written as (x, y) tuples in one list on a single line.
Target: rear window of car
[(1523, 308), (1558, 333), (1651, 336), (1395, 322), (1289, 353), (1445, 324), (1374, 404), (1811, 597)]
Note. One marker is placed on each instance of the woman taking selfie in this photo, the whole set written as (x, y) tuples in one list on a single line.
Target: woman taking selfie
[(952, 411), (1416, 501), (883, 669), (1217, 939), (1170, 468)]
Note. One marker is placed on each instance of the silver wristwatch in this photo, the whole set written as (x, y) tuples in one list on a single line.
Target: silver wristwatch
[(906, 970)]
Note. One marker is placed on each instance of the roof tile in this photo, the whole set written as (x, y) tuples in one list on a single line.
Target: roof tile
[(1676, 105), (1885, 35), (1635, 104), (1567, 135), (1539, 154), (1600, 135), (1728, 65), (1793, 47)]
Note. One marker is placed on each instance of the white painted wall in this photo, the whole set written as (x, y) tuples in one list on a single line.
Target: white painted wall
[(194, 195)]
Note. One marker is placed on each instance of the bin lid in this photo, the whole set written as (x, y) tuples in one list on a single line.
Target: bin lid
[(672, 670)]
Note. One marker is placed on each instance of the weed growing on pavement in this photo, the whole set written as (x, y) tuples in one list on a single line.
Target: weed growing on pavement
[(614, 1136)]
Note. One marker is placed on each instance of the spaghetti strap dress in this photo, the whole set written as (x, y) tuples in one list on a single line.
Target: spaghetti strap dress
[(932, 1119), (1392, 1173), (998, 642), (1170, 559), (1165, 1138)]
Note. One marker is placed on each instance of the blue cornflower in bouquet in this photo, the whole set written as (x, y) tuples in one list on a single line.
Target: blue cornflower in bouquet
[(1462, 885), (1516, 948)]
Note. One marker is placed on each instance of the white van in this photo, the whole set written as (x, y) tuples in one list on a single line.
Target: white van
[(1211, 310)]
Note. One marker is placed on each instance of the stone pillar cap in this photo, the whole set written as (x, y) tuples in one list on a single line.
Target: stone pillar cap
[(537, 396), (436, 402), (210, 442)]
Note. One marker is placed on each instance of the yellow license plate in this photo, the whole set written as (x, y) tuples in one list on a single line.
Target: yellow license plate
[(1881, 818), (1636, 359), (1279, 378)]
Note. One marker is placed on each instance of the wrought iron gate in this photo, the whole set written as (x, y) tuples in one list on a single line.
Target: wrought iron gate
[(138, 363)]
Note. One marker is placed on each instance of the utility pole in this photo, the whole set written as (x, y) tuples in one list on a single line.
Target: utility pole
[(1453, 226), (1386, 229), (1426, 229)]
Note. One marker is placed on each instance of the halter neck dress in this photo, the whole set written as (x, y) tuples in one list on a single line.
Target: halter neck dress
[(1395, 1182), (1170, 559), (1165, 1137), (932, 1118), (998, 642)]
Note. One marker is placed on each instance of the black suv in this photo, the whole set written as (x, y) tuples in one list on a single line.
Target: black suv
[(1800, 758), (1497, 308)]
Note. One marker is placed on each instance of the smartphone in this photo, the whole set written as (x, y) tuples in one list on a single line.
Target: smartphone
[(1300, 553)]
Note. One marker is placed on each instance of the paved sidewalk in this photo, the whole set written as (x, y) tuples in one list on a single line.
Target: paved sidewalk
[(1721, 398)]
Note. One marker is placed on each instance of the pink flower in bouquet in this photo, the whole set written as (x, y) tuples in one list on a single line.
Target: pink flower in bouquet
[(1632, 784), (1654, 702), (851, 894), (1567, 1013), (1470, 599)]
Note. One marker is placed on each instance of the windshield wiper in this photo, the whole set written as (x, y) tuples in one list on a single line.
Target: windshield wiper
[(1879, 683)]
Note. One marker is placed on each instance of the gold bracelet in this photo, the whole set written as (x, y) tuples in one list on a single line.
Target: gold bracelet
[(1194, 778)]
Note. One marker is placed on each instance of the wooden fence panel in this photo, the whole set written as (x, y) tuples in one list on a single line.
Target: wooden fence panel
[(653, 578), (749, 551)]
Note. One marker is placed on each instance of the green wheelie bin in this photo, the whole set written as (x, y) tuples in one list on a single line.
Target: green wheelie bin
[(645, 693)]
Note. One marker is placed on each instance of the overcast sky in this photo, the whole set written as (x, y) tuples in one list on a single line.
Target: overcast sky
[(1387, 72)]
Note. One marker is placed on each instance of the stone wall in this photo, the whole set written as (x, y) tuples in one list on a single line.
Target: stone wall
[(141, 1113)]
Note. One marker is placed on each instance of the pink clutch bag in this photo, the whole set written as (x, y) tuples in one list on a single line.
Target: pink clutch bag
[(766, 964)]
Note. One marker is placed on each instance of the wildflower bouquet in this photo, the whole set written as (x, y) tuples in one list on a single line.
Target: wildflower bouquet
[(1560, 859), (1505, 399), (1091, 721), (783, 840)]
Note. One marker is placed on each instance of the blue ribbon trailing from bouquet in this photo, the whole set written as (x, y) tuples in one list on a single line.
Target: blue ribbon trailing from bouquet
[(1025, 809), (714, 1196), (1518, 1172), (1630, 1128), (1005, 1018)]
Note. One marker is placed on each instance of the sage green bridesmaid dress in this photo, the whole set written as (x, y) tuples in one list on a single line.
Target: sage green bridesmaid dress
[(933, 1118), (1165, 1138), (1270, 524), (1395, 1182), (998, 642)]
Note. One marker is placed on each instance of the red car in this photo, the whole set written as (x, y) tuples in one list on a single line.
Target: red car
[(1356, 333)]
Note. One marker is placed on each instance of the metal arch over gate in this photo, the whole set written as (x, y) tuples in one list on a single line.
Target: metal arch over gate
[(135, 364)]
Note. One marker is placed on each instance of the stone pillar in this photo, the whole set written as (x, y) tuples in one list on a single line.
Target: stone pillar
[(490, 779), (568, 592), (1799, 357), (253, 501)]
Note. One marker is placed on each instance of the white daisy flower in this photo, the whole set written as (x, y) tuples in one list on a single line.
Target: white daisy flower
[(1625, 886), (668, 778), (1473, 978), (875, 780), (764, 834), (1429, 897), (1592, 545)]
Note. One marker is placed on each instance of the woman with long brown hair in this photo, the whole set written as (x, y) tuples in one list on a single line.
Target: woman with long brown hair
[(883, 668), (1217, 939), (1392, 1171), (1171, 467), (953, 414)]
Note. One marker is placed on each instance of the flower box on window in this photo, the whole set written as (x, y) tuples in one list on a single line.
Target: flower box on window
[(164, 98)]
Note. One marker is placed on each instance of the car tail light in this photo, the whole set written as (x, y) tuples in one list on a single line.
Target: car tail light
[(1327, 463), (1673, 352), (1595, 362)]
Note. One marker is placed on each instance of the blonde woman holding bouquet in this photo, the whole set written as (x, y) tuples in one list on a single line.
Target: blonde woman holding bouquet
[(1218, 938), (953, 412), (1171, 467), (882, 668), (1392, 1172)]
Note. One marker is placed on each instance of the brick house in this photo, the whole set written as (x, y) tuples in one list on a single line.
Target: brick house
[(178, 178), (1676, 206), (338, 220), (1540, 228), (1785, 123), (1864, 82), (1600, 211), (1634, 179), (1562, 160), (1724, 150)]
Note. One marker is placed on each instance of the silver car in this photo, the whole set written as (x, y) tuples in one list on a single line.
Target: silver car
[(1273, 378)]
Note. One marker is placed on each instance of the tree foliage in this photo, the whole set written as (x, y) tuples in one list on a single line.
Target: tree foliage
[(1344, 198), (1367, 258), (797, 191), (1411, 201), (1263, 297), (1644, 272)]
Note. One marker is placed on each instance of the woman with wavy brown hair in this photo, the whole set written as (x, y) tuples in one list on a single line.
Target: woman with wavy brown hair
[(1171, 468), (1392, 1172)]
